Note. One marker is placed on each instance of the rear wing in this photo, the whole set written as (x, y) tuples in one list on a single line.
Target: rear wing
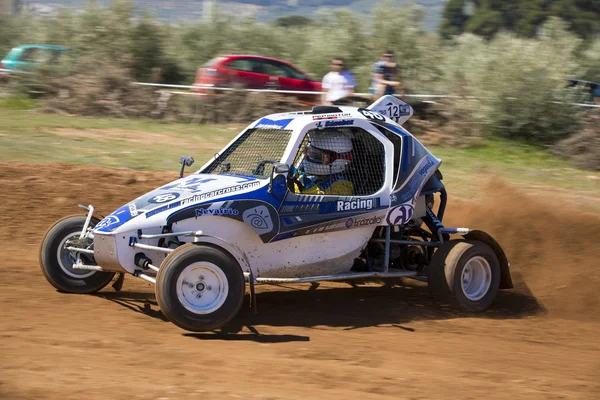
[(393, 108)]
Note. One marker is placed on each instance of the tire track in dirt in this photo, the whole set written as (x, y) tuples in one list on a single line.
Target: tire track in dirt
[(552, 249), (335, 342)]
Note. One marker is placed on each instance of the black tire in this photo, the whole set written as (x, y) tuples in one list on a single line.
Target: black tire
[(58, 272), (216, 313), (445, 274)]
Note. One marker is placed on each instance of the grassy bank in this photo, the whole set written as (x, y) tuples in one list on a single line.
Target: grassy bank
[(27, 135)]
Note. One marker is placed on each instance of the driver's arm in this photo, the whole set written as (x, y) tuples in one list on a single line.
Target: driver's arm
[(301, 182)]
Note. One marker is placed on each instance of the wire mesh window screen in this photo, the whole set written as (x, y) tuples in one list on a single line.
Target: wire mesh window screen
[(252, 154), (330, 158)]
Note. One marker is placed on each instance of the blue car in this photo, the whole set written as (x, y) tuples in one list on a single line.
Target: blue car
[(27, 57)]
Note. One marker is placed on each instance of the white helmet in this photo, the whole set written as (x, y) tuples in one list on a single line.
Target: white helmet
[(328, 152)]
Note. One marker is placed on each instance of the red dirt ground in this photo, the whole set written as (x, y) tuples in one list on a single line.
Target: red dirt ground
[(539, 341)]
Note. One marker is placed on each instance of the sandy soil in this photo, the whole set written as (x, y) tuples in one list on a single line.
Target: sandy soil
[(538, 341)]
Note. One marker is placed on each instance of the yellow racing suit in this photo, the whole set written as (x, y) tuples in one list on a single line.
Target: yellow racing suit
[(336, 185)]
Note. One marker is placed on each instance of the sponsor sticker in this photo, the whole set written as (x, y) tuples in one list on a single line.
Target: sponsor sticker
[(394, 111), (107, 222), (348, 205), (216, 211), (132, 209), (163, 198), (424, 170), (355, 204), (330, 116), (371, 114), (266, 123), (329, 124), (259, 219), (401, 214), (351, 222), (236, 188)]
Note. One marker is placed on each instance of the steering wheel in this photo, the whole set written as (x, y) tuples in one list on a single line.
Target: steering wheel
[(260, 167)]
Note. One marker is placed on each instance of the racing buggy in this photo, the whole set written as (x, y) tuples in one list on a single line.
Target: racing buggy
[(331, 194)]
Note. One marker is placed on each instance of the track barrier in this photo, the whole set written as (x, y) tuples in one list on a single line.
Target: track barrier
[(209, 87)]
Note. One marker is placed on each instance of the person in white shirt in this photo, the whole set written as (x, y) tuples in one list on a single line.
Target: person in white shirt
[(336, 84)]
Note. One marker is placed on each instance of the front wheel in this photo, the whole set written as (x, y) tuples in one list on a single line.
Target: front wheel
[(57, 262), (466, 273), (199, 288)]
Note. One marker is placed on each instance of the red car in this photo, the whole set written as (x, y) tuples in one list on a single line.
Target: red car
[(254, 72)]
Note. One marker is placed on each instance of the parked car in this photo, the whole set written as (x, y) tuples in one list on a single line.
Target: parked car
[(27, 57), (254, 72)]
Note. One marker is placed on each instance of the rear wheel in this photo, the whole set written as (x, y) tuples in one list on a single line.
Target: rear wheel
[(57, 263), (466, 273), (200, 288)]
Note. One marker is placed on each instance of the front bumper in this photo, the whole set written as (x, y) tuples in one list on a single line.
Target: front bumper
[(106, 253)]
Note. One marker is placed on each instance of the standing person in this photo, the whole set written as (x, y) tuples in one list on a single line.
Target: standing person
[(385, 74), (351, 80), (335, 84), (595, 89), (375, 68)]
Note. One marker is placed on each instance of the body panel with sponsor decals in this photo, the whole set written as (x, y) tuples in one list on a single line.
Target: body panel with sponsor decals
[(195, 188), (280, 232), (335, 193)]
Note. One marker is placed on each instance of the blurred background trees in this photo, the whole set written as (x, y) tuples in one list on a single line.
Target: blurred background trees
[(523, 17), (515, 56)]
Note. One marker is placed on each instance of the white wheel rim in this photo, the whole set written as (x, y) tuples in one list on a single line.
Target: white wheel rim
[(66, 261), (202, 287), (476, 278)]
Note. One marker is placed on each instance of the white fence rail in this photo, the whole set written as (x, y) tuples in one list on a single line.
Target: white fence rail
[(13, 71), (210, 87)]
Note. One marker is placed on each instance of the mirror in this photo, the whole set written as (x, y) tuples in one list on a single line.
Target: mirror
[(279, 177), (185, 161), (281, 168)]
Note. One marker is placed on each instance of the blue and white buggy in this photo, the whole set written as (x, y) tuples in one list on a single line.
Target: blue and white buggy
[(255, 214)]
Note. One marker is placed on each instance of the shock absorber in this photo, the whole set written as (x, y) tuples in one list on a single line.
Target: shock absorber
[(142, 261), (433, 223)]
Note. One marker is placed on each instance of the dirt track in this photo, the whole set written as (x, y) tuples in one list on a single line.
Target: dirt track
[(539, 341)]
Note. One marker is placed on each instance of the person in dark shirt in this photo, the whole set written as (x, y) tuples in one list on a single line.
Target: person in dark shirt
[(596, 93), (385, 75)]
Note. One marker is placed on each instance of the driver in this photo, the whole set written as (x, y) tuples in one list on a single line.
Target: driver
[(326, 158)]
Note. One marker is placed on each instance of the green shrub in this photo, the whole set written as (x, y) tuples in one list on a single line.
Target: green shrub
[(18, 103), (520, 84)]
